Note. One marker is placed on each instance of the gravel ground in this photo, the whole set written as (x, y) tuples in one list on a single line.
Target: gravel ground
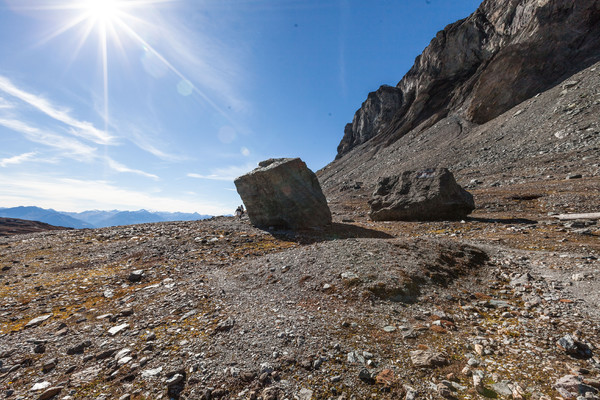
[(219, 309)]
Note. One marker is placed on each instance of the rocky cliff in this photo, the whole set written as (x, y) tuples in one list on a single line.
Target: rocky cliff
[(477, 68)]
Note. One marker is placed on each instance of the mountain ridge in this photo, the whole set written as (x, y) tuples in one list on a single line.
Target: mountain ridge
[(48, 216), (481, 66), (95, 218), (14, 226), (549, 136), (545, 139)]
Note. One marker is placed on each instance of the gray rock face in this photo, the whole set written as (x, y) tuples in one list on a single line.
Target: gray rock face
[(283, 193), (574, 347), (427, 359), (373, 117), (479, 67), (425, 195), (573, 384)]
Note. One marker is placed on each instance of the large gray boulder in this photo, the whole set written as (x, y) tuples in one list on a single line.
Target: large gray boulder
[(283, 193), (426, 195)]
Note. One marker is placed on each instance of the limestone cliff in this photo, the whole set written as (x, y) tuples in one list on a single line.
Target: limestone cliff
[(504, 53)]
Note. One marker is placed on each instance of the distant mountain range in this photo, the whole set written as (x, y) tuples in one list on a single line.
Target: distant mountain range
[(95, 218), (47, 216)]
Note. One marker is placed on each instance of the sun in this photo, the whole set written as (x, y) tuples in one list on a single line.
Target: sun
[(116, 22), (103, 10)]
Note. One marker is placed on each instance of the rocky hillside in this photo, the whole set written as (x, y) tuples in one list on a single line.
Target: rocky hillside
[(14, 226), (544, 140), (511, 110), (480, 67)]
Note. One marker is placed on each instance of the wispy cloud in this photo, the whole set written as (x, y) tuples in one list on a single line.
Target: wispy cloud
[(145, 142), (83, 129), (21, 158), (224, 174), (79, 195), (5, 104), (117, 166), (69, 147)]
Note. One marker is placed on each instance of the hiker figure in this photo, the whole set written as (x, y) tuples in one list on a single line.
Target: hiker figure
[(239, 212)]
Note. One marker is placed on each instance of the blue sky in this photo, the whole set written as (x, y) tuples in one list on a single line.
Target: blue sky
[(160, 104)]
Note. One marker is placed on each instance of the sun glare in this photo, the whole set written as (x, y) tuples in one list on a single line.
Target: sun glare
[(103, 10), (113, 21)]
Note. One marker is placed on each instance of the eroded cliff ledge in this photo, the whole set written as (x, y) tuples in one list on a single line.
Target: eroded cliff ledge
[(504, 53)]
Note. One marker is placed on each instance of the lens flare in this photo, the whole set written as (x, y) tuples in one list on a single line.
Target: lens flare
[(117, 23)]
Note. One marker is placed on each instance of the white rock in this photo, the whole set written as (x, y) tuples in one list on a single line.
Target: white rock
[(38, 320), (305, 394), (355, 358), (411, 394), (124, 360), (561, 134), (478, 383), (122, 353), (40, 386), (349, 275), (116, 329), (151, 372), (266, 367), (479, 349)]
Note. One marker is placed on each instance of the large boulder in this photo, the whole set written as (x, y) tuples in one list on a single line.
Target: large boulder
[(426, 195), (283, 192)]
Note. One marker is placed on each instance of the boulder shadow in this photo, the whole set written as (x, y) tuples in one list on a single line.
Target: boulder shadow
[(507, 221), (335, 231)]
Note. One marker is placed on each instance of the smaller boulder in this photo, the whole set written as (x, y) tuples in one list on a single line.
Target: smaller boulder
[(573, 347), (573, 384), (136, 276), (426, 195), (50, 393), (366, 376)]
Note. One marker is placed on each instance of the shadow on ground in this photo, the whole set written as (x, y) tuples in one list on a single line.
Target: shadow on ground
[(334, 232), (507, 221)]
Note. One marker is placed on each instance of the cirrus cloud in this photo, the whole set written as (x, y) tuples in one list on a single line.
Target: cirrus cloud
[(21, 158), (83, 129)]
